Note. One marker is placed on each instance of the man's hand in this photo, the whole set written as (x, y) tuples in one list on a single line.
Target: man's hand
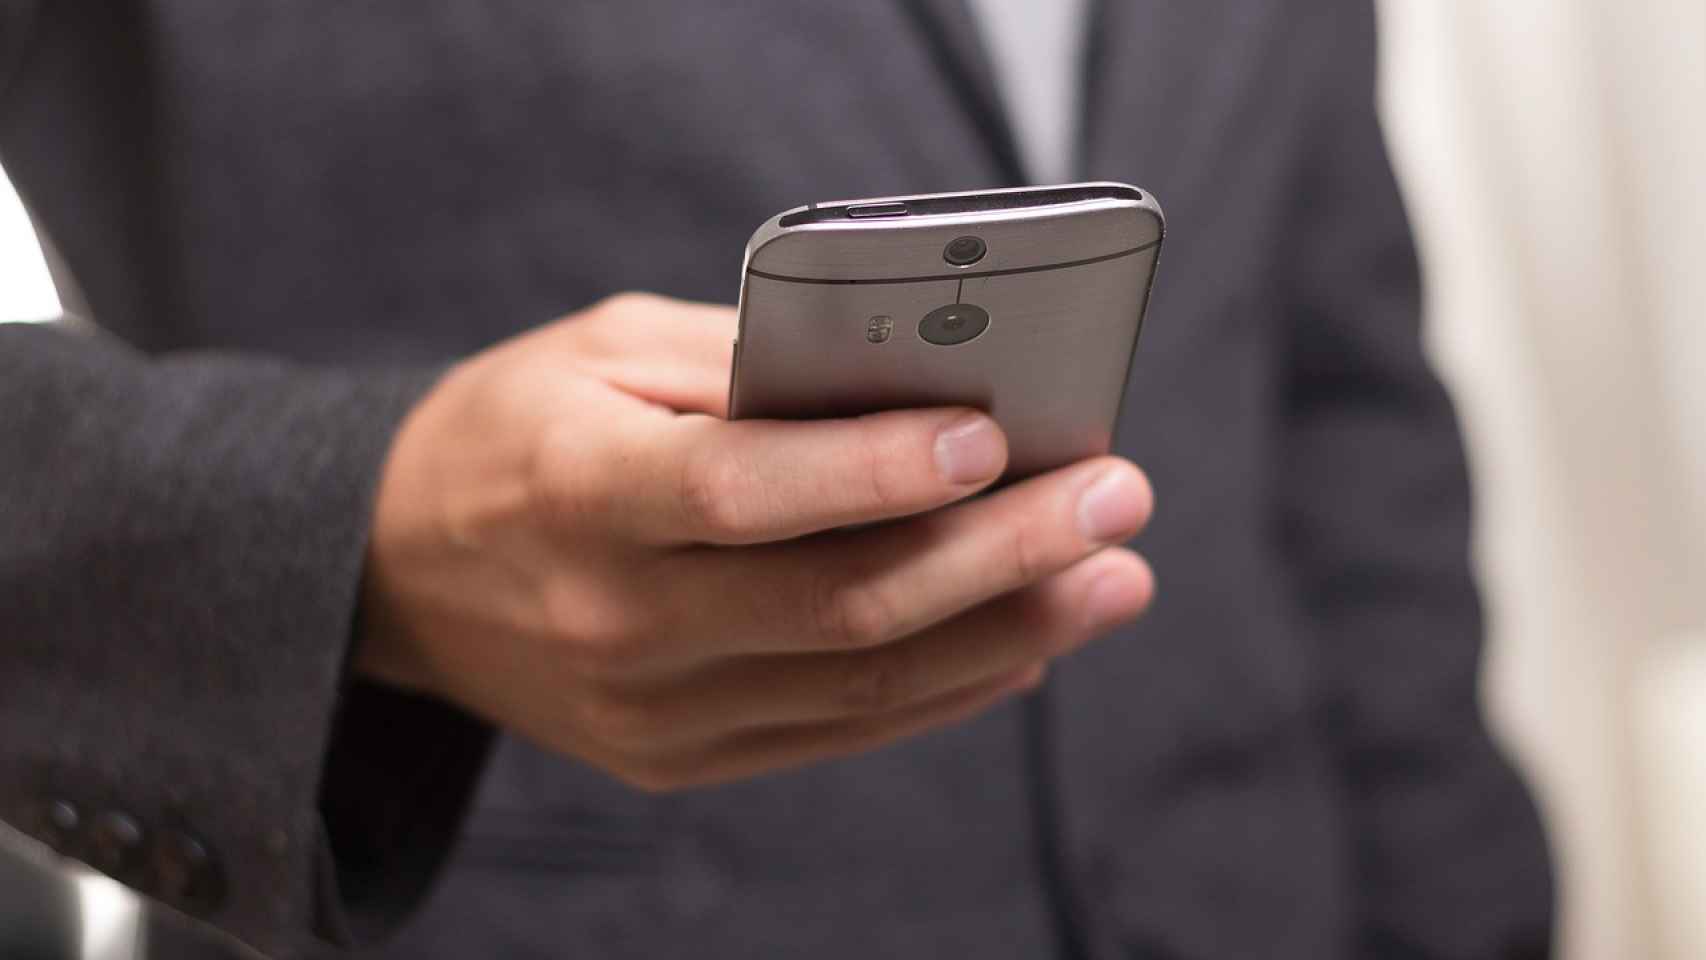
[(570, 542)]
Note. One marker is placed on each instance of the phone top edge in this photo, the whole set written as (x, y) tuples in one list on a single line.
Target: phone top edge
[(1109, 189), (959, 203), (1103, 193)]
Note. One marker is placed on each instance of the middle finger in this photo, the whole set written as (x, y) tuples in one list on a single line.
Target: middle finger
[(858, 589)]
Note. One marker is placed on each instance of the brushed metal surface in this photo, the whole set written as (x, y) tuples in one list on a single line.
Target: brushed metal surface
[(1051, 367)]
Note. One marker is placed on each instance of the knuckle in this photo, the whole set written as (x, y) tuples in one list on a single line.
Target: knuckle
[(1020, 555), (563, 612), (883, 491), (598, 636), (849, 614), (709, 489), (562, 474), (605, 328), (621, 302)]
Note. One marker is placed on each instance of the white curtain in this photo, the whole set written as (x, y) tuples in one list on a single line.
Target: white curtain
[(26, 291), (1554, 156)]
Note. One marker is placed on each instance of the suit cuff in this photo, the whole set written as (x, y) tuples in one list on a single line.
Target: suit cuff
[(401, 771)]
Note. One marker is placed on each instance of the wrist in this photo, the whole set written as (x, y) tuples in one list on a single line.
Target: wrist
[(383, 646)]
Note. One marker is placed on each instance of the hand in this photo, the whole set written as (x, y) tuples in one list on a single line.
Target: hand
[(569, 542)]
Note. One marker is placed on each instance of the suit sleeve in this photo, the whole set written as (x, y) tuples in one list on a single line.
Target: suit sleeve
[(1450, 860), (181, 548)]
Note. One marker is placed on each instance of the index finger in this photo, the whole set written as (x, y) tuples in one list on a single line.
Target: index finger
[(711, 481), (675, 353)]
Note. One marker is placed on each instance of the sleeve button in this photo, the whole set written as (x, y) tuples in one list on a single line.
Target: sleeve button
[(63, 817), (59, 823), (114, 843), (54, 823), (185, 872)]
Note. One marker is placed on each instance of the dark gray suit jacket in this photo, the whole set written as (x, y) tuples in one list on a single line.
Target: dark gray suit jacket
[(289, 216)]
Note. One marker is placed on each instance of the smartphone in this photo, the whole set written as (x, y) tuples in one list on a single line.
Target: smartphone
[(1024, 303)]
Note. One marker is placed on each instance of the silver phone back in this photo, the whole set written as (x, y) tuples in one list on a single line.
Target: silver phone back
[(833, 297)]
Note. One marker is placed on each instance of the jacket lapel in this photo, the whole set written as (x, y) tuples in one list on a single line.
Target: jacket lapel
[(1165, 83), (955, 41)]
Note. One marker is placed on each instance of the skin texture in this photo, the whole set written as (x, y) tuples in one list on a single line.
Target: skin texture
[(571, 542)]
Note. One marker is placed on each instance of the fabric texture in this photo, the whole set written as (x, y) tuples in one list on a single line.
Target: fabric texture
[(290, 220)]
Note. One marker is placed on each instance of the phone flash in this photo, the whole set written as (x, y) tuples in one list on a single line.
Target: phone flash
[(878, 328)]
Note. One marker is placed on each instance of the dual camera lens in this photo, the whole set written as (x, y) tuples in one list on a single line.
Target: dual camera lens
[(948, 325), (957, 323)]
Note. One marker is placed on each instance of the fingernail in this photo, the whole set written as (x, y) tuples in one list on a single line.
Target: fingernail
[(1111, 508), (970, 450)]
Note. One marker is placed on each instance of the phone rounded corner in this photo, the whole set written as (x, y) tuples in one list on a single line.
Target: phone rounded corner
[(767, 233), (1152, 207), (1141, 204), (1145, 204)]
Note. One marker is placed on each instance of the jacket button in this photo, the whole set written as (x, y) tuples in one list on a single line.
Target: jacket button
[(114, 843), (55, 824), (185, 873)]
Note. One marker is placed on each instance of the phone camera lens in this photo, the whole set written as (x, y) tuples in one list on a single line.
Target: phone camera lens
[(953, 324), (965, 251)]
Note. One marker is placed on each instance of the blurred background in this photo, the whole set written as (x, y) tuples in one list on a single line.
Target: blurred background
[(1553, 153), (1554, 157)]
